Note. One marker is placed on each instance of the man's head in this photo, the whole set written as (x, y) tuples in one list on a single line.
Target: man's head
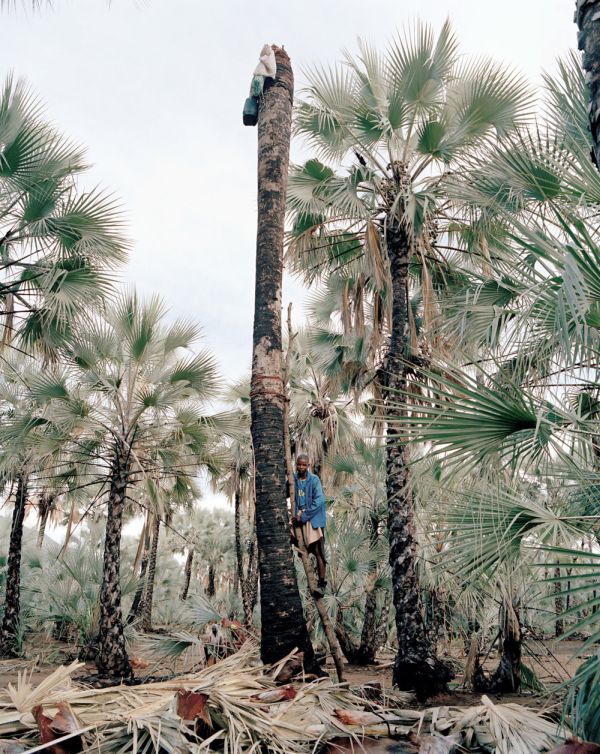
[(302, 465)]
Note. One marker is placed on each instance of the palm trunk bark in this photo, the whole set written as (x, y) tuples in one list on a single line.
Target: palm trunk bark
[(587, 18), (150, 577), (416, 665), (188, 575), (282, 619), (559, 608), (112, 658), (9, 632), (252, 581), (239, 555), (210, 586), (138, 597)]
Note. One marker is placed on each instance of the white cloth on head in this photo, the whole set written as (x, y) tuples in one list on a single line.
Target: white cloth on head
[(267, 65)]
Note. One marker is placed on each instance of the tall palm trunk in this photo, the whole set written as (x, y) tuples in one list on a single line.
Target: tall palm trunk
[(112, 659), (9, 633), (187, 575), (150, 577), (283, 625), (587, 18), (416, 665)]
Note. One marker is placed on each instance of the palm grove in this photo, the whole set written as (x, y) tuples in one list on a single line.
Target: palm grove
[(444, 384)]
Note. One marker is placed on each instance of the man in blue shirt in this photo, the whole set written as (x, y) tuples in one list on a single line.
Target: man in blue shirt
[(309, 516)]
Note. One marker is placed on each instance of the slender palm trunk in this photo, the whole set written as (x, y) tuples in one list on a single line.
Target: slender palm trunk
[(112, 659), (251, 581), (559, 607), (239, 555), (187, 575), (138, 597), (150, 577), (244, 578), (507, 676), (210, 586), (381, 633), (416, 665), (587, 17), (45, 506), (9, 632), (283, 625)]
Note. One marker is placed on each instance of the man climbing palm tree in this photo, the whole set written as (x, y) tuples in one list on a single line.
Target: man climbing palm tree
[(309, 516)]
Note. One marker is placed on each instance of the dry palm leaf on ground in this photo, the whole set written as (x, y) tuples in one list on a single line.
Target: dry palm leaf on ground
[(237, 706)]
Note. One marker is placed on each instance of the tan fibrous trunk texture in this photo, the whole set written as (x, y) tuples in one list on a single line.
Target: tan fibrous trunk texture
[(282, 619), (587, 18), (9, 632), (150, 577), (187, 575), (112, 659), (416, 665)]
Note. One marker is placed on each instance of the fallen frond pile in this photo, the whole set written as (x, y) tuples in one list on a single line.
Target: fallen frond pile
[(237, 706)]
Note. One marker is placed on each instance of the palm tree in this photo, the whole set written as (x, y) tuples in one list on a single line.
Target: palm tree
[(398, 125), (136, 398), (282, 620), (31, 446), (57, 242)]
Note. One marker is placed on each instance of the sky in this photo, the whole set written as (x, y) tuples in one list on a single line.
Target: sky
[(155, 88)]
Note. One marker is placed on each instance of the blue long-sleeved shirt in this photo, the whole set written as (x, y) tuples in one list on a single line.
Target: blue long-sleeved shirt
[(310, 507)]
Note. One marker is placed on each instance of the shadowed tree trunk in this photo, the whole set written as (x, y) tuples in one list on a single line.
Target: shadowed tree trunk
[(587, 18), (112, 658), (282, 619), (210, 587), (559, 608), (138, 598), (187, 575), (252, 580), (381, 633), (150, 577), (246, 579), (9, 633), (416, 665)]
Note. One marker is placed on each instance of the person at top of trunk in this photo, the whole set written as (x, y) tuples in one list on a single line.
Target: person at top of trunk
[(310, 517)]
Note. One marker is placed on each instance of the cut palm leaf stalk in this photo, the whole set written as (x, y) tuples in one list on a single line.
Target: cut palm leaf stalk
[(229, 705)]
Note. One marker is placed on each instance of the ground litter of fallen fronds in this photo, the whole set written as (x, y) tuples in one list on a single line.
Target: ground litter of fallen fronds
[(237, 705)]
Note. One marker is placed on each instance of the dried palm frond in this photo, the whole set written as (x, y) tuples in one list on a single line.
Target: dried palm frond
[(234, 709)]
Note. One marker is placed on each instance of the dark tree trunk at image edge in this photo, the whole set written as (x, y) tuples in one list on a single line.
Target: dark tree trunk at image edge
[(416, 665), (112, 659), (150, 577), (9, 633), (587, 18), (282, 619), (187, 575)]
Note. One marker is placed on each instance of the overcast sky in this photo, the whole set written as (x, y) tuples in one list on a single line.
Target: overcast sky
[(154, 89)]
